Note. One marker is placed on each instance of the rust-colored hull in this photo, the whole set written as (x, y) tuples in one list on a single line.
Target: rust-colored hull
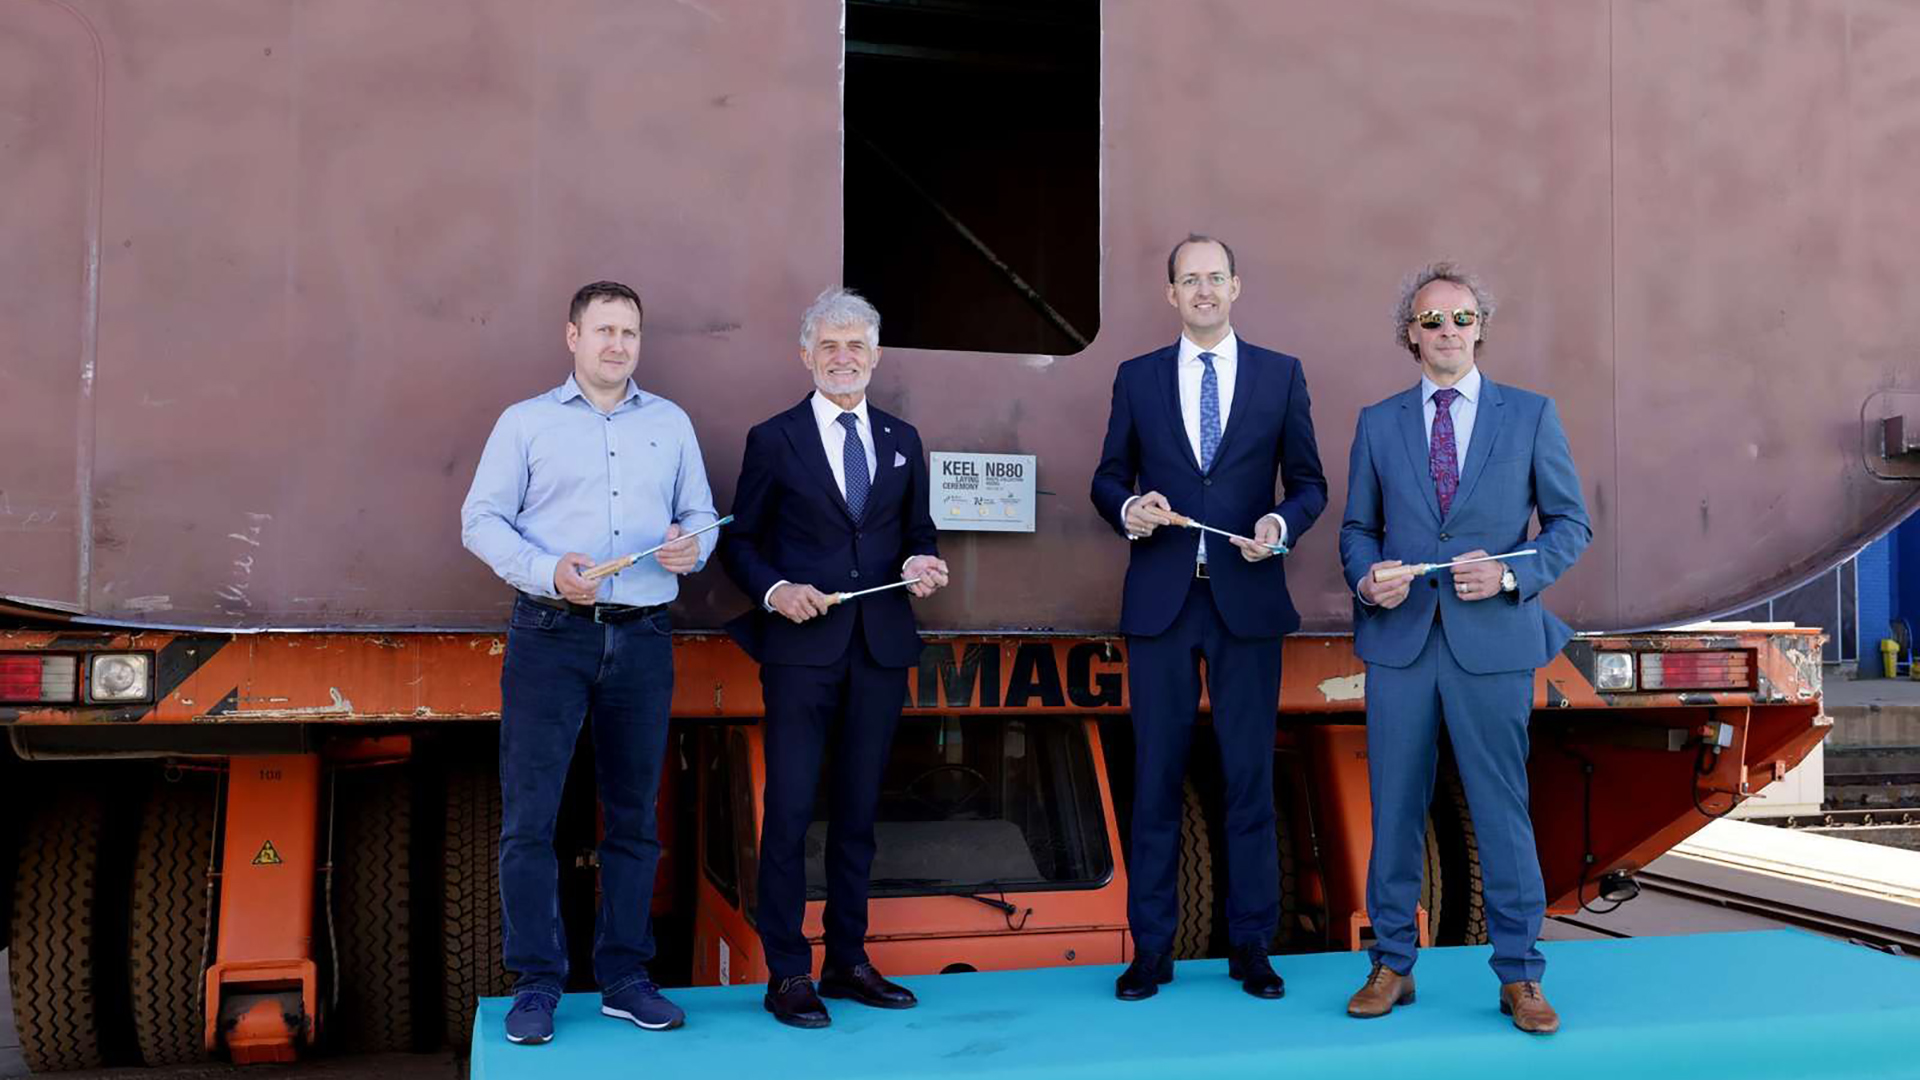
[(271, 270)]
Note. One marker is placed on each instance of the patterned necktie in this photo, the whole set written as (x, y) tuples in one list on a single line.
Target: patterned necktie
[(854, 455), (1209, 413), (1443, 460)]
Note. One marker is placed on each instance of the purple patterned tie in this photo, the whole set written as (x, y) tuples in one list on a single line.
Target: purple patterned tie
[(1443, 461)]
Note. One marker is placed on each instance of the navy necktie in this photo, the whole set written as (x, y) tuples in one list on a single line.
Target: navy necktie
[(1209, 413), (854, 455), (1443, 461)]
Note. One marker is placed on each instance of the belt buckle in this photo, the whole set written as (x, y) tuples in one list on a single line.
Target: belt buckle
[(1200, 571), (600, 614)]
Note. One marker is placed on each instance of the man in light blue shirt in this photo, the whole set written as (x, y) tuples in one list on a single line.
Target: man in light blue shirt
[(588, 471)]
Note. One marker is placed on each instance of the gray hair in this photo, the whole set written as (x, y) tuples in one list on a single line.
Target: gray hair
[(839, 306), (1443, 270)]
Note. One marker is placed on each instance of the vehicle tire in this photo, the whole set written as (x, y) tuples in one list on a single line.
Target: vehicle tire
[(470, 929), (55, 939), (1288, 930), (1194, 885), (169, 921), (1456, 906), (372, 910), (14, 799)]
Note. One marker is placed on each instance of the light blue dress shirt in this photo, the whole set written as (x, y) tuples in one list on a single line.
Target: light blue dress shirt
[(1465, 408), (559, 475)]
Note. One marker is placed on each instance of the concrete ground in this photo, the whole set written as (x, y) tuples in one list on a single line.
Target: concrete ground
[(1869, 695), (1873, 754), (364, 1067)]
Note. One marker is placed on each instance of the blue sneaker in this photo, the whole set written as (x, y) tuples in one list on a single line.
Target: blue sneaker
[(530, 1021), (642, 1003)]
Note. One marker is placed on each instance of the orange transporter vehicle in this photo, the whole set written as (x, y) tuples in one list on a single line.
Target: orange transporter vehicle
[(272, 270)]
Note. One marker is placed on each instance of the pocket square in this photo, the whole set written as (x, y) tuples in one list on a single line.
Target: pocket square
[(899, 459)]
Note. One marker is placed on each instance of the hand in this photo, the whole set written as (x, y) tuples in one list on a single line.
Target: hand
[(567, 580), (1147, 513), (932, 572), (1386, 596), (678, 557), (1479, 580), (800, 602), (1266, 533)]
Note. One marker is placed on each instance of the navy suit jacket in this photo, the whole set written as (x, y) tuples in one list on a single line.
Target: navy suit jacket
[(1269, 434), (791, 523), (1518, 464)]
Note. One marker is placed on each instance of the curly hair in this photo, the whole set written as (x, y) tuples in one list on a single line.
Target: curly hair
[(839, 306), (1442, 270)]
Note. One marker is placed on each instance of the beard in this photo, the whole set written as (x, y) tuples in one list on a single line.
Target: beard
[(824, 383)]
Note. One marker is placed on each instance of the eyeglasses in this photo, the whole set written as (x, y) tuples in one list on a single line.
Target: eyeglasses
[(1217, 280), (1432, 320)]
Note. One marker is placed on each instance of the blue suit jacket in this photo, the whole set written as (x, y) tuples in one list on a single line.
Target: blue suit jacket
[(1269, 434), (790, 522), (1518, 464)]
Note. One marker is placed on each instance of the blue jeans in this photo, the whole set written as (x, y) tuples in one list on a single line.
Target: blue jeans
[(560, 669)]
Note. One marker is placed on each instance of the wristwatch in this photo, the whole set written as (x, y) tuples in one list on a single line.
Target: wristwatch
[(1508, 583)]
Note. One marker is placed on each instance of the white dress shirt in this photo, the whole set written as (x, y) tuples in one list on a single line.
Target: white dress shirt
[(1189, 371), (833, 439)]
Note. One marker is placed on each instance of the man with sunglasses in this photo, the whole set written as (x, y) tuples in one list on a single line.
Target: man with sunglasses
[(1455, 468), (1204, 426)]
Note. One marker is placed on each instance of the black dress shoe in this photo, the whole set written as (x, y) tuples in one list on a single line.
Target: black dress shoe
[(1143, 977), (793, 1002), (1249, 965), (864, 984)]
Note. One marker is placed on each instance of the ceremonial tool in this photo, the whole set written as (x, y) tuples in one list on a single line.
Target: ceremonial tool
[(601, 570), (1391, 574), (841, 598), (1184, 520)]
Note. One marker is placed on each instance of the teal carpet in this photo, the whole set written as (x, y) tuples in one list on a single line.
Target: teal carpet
[(1742, 1006)]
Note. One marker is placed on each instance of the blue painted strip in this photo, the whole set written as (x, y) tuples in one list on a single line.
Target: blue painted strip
[(1745, 1005)]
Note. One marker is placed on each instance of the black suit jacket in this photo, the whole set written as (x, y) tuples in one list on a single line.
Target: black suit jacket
[(791, 523), (1269, 435)]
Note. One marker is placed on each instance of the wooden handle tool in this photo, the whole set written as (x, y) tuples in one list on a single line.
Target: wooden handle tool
[(841, 598), (1187, 522), (1392, 574), (601, 570)]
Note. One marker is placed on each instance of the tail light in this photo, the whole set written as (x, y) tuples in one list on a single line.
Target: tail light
[(1729, 669), (27, 678)]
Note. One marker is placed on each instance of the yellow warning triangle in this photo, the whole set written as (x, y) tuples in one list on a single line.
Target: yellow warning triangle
[(267, 856)]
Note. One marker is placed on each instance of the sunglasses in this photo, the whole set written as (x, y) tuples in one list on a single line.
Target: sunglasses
[(1433, 320)]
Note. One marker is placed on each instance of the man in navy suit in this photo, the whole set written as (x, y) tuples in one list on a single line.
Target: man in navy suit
[(832, 498), (1455, 468), (1203, 427)]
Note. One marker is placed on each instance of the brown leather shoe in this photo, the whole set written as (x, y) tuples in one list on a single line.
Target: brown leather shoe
[(1385, 988), (1530, 1011)]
